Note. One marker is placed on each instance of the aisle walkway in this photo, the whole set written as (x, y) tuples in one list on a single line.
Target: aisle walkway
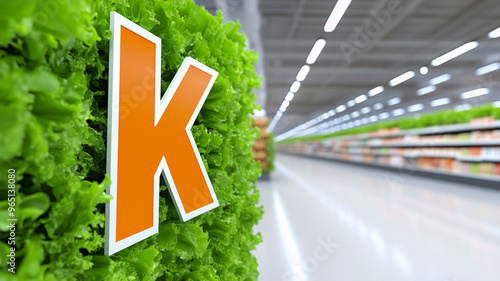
[(330, 221)]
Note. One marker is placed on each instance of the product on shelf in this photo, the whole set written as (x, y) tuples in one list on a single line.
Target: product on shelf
[(259, 148), (460, 149)]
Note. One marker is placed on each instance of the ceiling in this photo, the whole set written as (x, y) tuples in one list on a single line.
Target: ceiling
[(374, 42)]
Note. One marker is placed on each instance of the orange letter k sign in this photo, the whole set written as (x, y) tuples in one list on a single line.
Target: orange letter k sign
[(149, 135)]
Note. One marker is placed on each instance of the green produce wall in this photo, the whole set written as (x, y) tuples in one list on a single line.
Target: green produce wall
[(270, 153), (53, 112)]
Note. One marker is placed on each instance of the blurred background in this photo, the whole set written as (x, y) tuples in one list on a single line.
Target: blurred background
[(380, 137)]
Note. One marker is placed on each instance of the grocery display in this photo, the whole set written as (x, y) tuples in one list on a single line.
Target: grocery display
[(53, 105), (263, 148), (458, 150)]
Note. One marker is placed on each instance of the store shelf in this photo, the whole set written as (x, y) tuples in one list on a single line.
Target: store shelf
[(478, 180), (478, 159), (444, 144), (459, 157), (436, 130), (456, 152)]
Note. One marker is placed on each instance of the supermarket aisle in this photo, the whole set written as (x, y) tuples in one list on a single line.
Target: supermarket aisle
[(330, 221)]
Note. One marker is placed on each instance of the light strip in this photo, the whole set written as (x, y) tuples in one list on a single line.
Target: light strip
[(455, 53), (398, 112), (337, 13), (495, 33), (376, 91), (402, 78), (440, 102), (351, 103), (462, 107), (393, 101), (426, 90), (341, 108), (304, 70), (295, 87), (315, 51), (366, 110), (496, 104), (440, 79), (360, 99), (378, 106), (383, 115), (355, 114), (487, 69), (475, 93), (289, 96), (415, 107)]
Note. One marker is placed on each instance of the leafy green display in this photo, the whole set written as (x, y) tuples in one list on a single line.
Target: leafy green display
[(432, 119), (270, 153), (53, 107)]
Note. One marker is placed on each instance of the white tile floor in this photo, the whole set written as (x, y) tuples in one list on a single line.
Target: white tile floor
[(330, 221)]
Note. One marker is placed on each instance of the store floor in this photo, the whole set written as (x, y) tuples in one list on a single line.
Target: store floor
[(331, 221)]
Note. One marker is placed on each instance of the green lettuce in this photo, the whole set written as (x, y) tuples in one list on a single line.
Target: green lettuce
[(53, 105)]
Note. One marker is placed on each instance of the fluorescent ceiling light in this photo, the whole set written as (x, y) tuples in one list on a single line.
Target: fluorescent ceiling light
[(378, 106), (357, 123), (315, 51), (462, 107), (424, 70), (415, 107), (495, 33), (285, 103), (393, 101), (440, 79), (346, 118), (325, 116), (376, 91), (355, 114), (283, 108), (289, 96), (383, 115), (340, 108), (364, 120), (398, 112), (279, 114), (426, 90), (331, 112), (360, 99), (365, 110), (373, 118), (351, 103), (455, 53), (402, 78), (337, 13), (487, 69), (496, 104), (440, 102), (304, 70), (295, 87), (475, 93)]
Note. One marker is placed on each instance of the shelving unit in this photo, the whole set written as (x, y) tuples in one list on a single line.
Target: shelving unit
[(461, 152)]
